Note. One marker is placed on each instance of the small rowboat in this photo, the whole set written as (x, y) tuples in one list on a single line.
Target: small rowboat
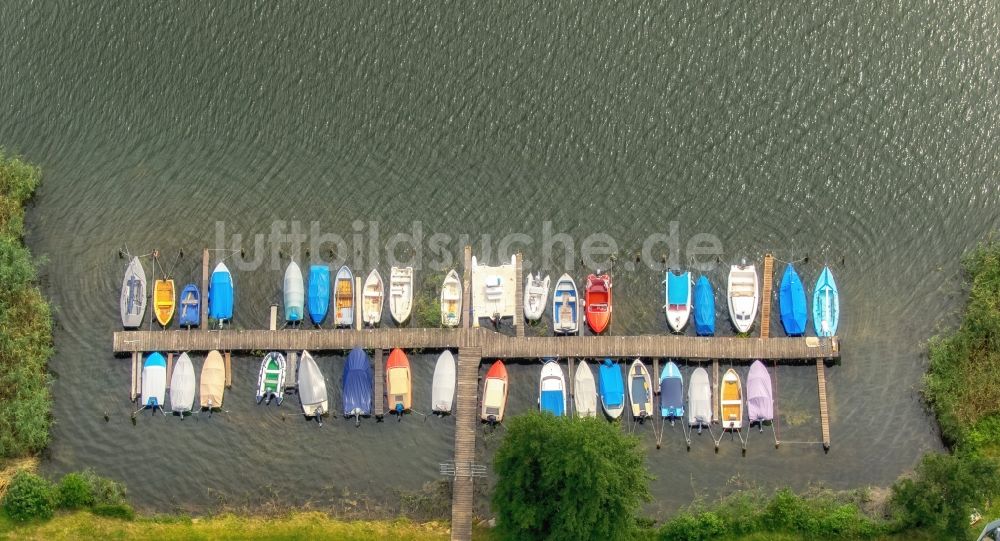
[(163, 301), (536, 293), (743, 296), (400, 293), (826, 304), (344, 302), (731, 401), (312, 389), (182, 386), (190, 306), (704, 308), (398, 383), (451, 300), (494, 393), (443, 386), (760, 399), (640, 391), (154, 382), (319, 293), (220, 294), (792, 302), (133, 296), (565, 306), (213, 381), (294, 293), (371, 298), (552, 389), (357, 383), (584, 391), (678, 300), (671, 392), (612, 389), (699, 400), (271, 380), (598, 302)]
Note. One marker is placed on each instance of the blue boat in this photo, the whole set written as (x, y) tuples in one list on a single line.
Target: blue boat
[(220, 294), (357, 383), (552, 389), (792, 301), (671, 392), (826, 304), (319, 292), (704, 308), (611, 388), (190, 306)]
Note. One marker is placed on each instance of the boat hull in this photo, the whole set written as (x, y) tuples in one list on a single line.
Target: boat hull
[(565, 306), (494, 393), (598, 302)]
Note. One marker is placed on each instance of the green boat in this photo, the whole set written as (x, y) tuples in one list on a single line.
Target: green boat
[(271, 382)]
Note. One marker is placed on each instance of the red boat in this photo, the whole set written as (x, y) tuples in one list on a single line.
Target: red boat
[(398, 385), (494, 393), (598, 302)]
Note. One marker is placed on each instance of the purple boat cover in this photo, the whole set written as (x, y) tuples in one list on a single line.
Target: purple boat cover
[(760, 404)]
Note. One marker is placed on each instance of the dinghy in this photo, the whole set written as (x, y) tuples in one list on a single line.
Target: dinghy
[(312, 388), (213, 381), (612, 389), (371, 298), (494, 393), (671, 392), (443, 387), (598, 302), (182, 386), (743, 296), (220, 294), (319, 293), (400, 293), (190, 306), (357, 384), (154, 382), (640, 391), (826, 304), (163, 301), (584, 391), (552, 389), (678, 297), (760, 399), (271, 379), (792, 302), (133, 297), (704, 308), (699, 400), (343, 315), (451, 300), (398, 383), (565, 306), (536, 293), (731, 401), (295, 295)]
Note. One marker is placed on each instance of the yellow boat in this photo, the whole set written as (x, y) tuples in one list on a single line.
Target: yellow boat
[(163, 301), (731, 401)]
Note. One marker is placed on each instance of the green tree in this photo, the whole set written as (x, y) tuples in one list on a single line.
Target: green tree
[(28, 497), (568, 478)]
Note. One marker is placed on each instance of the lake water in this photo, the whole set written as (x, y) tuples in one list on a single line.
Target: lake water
[(864, 137)]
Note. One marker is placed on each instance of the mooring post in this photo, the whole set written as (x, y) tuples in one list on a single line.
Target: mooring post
[(470, 318), (134, 391), (273, 321), (170, 367), (229, 371), (357, 303), (715, 389), (572, 397), (204, 288), (656, 375)]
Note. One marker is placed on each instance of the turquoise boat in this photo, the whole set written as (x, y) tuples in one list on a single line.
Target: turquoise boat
[(826, 304), (792, 302)]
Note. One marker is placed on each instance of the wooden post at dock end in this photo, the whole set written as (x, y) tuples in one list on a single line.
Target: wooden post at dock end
[(518, 296), (715, 389), (170, 368), (656, 375), (467, 289), (378, 400), (292, 359), (572, 397), (204, 289), (765, 307), (357, 303), (134, 390), (824, 417), (273, 321), (229, 371)]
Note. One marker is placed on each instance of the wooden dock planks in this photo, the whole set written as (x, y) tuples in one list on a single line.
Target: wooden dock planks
[(765, 307), (824, 417), (378, 399), (465, 442), (518, 297)]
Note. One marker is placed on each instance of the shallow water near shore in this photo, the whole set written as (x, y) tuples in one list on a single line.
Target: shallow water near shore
[(860, 137)]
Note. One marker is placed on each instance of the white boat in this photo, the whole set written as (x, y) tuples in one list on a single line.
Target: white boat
[(343, 298), (699, 399), (584, 391), (400, 293), (443, 387), (371, 298), (154, 382), (451, 300), (678, 299), (133, 294), (312, 387), (743, 296), (552, 389), (565, 306), (640, 391), (536, 293), (182, 386), (294, 293)]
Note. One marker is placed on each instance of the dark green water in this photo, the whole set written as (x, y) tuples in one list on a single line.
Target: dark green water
[(864, 136)]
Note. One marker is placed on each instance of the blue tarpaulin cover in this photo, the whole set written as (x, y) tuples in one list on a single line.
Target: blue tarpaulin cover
[(220, 294), (552, 401), (357, 383), (612, 385), (704, 308), (677, 288), (319, 292), (792, 301)]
